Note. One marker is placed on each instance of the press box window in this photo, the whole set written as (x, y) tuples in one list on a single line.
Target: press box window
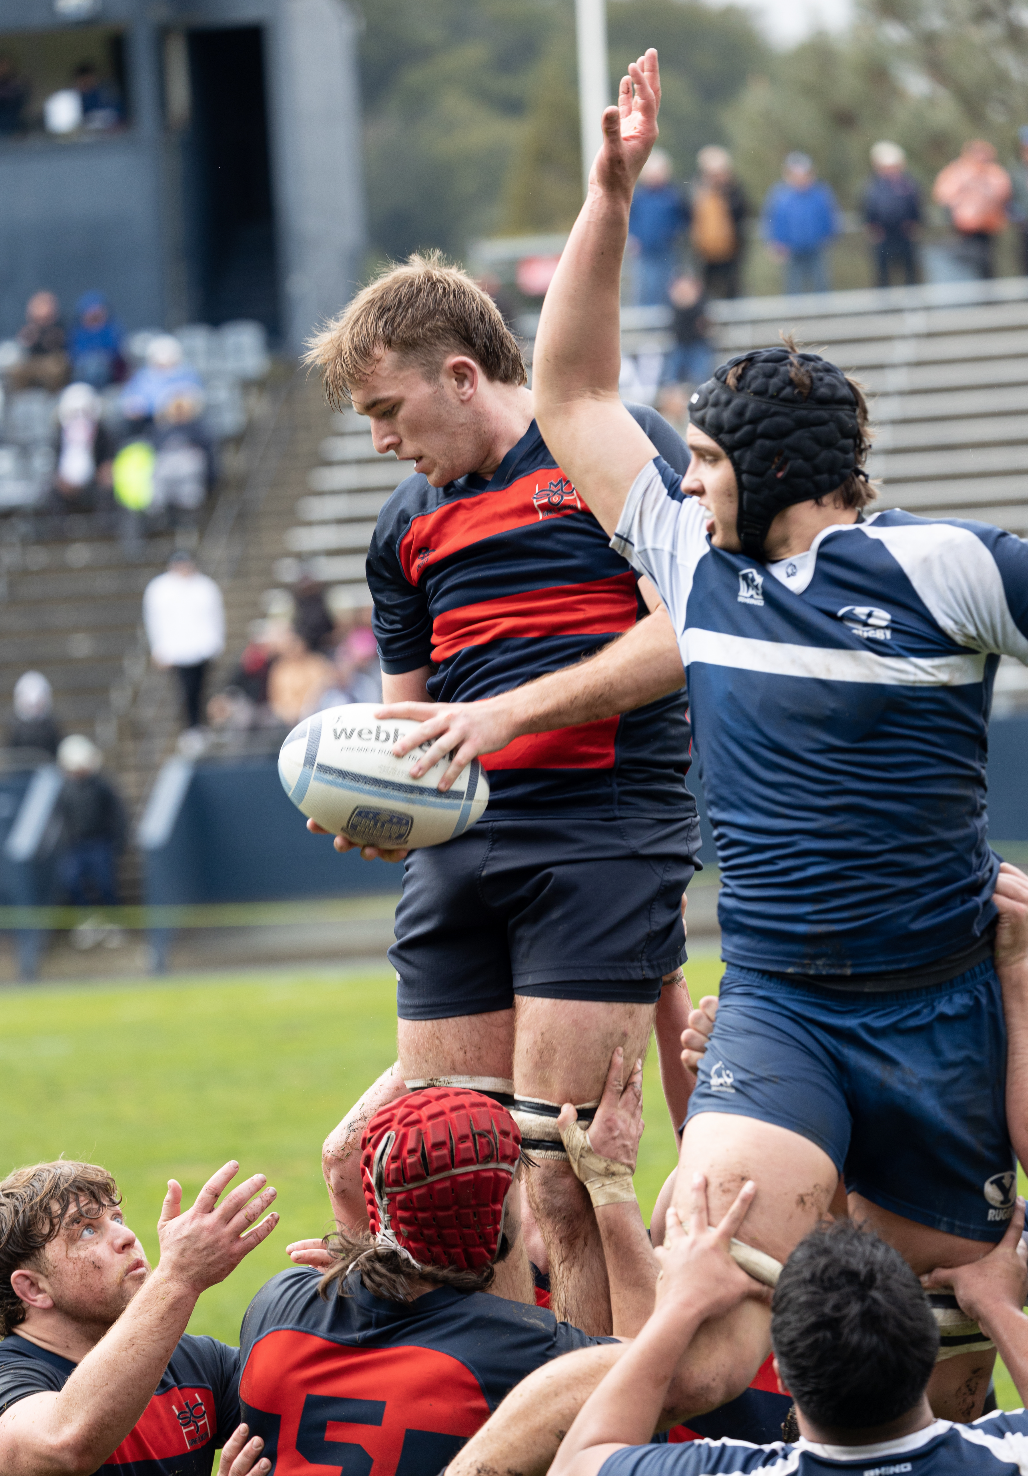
[(66, 84)]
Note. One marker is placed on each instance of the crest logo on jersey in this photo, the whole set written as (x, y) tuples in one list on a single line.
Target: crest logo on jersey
[(558, 497), (193, 1420), (867, 622), (751, 587), (721, 1078), (1001, 1193), (421, 558)]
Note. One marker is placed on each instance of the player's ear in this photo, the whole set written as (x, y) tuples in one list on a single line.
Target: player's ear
[(463, 374), (778, 1375), (29, 1286)]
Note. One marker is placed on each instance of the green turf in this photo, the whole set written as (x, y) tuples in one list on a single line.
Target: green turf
[(171, 1079)]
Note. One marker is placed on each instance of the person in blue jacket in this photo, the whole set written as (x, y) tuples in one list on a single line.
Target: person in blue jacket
[(801, 219), (658, 217)]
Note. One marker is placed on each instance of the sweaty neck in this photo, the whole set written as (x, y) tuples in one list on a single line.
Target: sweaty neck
[(60, 1334), (794, 529), (918, 1418), (508, 415)]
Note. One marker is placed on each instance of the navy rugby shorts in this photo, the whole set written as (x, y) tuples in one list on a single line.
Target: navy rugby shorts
[(564, 908), (904, 1091)]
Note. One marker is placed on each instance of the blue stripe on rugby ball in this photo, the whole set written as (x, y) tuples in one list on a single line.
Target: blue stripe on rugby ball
[(474, 771), (362, 784), (300, 788)]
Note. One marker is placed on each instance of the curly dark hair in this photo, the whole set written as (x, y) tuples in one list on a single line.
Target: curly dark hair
[(34, 1204)]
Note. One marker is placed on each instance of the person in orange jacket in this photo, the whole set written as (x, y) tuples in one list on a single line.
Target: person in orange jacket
[(974, 190)]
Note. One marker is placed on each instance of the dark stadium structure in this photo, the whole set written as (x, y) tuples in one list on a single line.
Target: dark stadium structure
[(215, 174)]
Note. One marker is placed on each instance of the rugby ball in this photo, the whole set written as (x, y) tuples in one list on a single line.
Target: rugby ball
[(338, 767)]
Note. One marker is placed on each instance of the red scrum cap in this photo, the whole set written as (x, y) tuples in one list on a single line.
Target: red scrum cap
[(437, 1166)]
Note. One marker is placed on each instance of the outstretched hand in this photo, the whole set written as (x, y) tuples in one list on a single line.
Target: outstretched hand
[(697, 1273), (313, 1253), (998, 1280), (242, 1456), (202, 1246), (617, 1124), (629, 128)]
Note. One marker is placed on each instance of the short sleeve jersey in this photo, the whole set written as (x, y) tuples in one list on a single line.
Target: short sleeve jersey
[(997, 1443), (194, 1409), (355, 1381), (840, 714), (495, 582)]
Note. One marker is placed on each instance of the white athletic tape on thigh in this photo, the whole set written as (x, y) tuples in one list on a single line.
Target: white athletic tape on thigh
[(755, 1263), (498, 1087), (606, 1180), (537, 1120), (958, 1333)]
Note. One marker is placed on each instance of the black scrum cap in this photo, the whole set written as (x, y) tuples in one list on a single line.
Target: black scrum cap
[(789, 427)]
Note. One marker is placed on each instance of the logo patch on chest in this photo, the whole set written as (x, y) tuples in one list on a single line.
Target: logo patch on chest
[(867, 622), (751, 587), (555, 498)]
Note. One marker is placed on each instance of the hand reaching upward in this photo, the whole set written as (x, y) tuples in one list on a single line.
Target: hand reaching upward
[(629, 128)]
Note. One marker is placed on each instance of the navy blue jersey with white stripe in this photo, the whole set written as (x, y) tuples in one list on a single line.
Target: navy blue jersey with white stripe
[(997, 1443), (840, 710), (494, 581)]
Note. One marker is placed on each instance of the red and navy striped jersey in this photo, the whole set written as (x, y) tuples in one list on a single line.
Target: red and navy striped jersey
[(757, 1415), (192, 1413), (494, 582), (355, 1383)]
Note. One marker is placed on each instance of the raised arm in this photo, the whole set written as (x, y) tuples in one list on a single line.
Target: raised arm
[(577, 358), (72, 1433)]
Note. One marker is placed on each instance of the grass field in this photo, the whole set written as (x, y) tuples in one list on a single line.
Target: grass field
[(170, 1079)]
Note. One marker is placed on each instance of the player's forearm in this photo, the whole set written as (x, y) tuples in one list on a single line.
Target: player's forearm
[(631, 1266), (578, 344), (523, 1434), (1007, 1326), (105, 1397), (341, 1151), (639, 667), (626, 1407), (1014, 980), (672, 1018)]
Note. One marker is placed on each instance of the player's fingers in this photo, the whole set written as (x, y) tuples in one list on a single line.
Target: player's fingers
[(1015, 1229), (691, 1060), (567, 1115), (695, 1040), (259, 1233), (252, 1211), (624, 98), (209, 1194), (317, 1260), (1010, 870), (737, 1211), (708, 1004), (377, 853), (343, 843), (673, 1227), (611, 122), (461, 758), (233, 1203), (233, 1445), (439, 750), (315, 829), (614, 1085), (172, 1206), (698, 1220), (634, 1084)]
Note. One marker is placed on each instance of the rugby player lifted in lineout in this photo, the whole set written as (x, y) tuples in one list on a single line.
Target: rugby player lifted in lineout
[(840, 669), (487, 569)]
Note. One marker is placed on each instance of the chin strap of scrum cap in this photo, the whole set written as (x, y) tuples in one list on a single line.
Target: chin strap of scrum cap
[(958, 1333), (537, 1120)]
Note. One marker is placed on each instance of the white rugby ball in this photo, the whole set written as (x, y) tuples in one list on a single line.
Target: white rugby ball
[(339, 768)]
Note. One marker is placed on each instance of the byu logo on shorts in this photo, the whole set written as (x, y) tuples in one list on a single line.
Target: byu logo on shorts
[(867, 622), (721, 1078), (1001, 1192), (751, 587)]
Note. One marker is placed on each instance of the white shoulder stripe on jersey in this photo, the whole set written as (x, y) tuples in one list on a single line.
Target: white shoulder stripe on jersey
[(1010, 1448), (959, 581), (714, 648)]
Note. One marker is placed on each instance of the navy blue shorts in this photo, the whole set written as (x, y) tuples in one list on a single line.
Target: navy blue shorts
[(567, 908), (905, 1092)]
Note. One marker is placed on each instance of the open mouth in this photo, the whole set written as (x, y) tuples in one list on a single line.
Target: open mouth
[(136, 1267)]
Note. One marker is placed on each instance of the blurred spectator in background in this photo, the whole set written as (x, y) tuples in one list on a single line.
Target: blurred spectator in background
[(974, 191), (85, 451), (892, 214), (92, 826), (251, 675), (34, 724), (14, 94), (1018, 207), (691, 361), (184, 462), (358, 676), (298, 678), (42, 338), (101, 105), (801, 219), (312, 619), (164, 371), (184, 616), (717, 209), (656, 220), (96, 343)]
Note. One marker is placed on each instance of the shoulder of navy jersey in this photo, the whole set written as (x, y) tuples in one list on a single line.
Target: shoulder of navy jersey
[(994, 1443)]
